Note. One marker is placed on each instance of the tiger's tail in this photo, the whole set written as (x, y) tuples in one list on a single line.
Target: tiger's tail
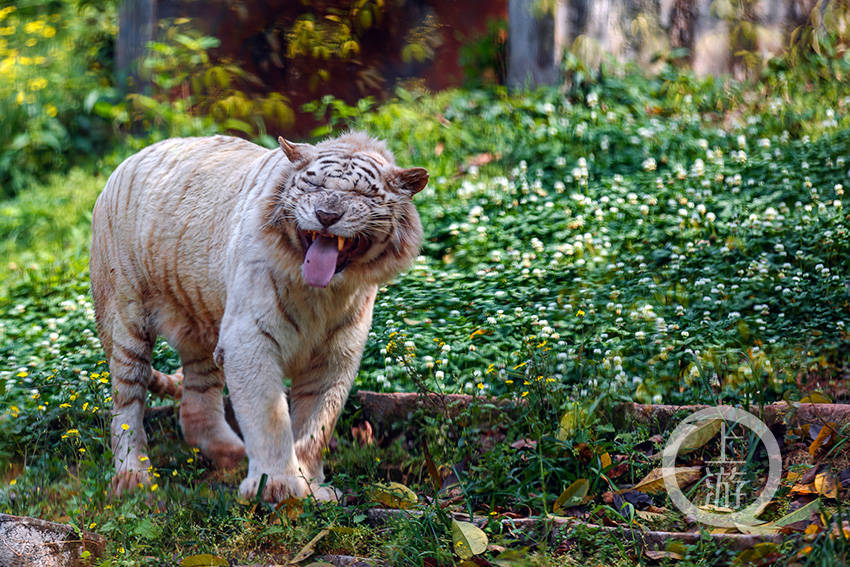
[(170, 385)]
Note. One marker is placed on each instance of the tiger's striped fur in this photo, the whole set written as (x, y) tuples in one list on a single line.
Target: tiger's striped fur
[(207, 242)]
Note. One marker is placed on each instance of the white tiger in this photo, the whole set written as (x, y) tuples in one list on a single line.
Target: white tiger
[(254, 264)]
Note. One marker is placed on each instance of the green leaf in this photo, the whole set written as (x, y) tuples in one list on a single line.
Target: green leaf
[(468, 539), (569, 422), (757, 529), (799, 515), (394, 495), (204, 560), (573, 495), (309, 549), (816, 398), (146, 529), (512, 558), (756, 553), (653, 482), (702, 433)]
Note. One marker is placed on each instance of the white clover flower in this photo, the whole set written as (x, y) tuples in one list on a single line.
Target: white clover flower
[(439, 375), (649, 164)]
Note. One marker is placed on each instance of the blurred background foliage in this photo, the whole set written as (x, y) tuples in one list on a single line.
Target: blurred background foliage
[(55, 60), (313, 67), (291, 70)]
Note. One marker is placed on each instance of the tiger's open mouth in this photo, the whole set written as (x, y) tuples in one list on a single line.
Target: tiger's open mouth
[(326, 254)]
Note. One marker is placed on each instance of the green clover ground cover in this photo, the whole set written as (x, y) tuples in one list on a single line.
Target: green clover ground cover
[(623, 240), (660, 260)]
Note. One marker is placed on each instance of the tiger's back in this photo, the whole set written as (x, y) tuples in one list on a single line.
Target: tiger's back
[(160, 235)]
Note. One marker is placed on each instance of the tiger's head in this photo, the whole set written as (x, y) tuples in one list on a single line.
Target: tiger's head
[(345, 208)]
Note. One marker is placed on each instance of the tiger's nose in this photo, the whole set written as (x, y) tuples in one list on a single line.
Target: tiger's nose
[(327, 218)]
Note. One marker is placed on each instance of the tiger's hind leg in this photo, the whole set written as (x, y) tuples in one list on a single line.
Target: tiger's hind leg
[(202, 412), (130, 370)]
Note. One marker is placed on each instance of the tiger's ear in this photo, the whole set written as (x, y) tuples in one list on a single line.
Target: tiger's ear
[(410, 181), (295, 152)]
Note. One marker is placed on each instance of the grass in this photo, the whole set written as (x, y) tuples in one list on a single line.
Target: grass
[(621, 239)]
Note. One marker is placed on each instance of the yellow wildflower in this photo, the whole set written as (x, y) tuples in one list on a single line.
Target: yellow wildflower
[(22, 374), (579, 313), (125, 427), (34, 26), (13, 482), (7, 30), (37, 84), (48, 31), (50, 110)]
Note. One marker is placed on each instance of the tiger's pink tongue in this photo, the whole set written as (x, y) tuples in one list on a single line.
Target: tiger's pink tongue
[(320, 262)]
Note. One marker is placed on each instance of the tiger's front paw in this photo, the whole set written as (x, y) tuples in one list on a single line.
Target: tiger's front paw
[(127, 481), (277, 487)]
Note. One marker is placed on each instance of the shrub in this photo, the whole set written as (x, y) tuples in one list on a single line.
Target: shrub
[(54, 59)]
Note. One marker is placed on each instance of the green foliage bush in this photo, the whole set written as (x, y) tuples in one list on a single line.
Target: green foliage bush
[(55, 59), (192, 94)]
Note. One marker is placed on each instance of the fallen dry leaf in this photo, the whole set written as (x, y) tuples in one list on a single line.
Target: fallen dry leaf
[(808, 488), (826, 485), (824, 438), (617, 470), (653, 483)]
